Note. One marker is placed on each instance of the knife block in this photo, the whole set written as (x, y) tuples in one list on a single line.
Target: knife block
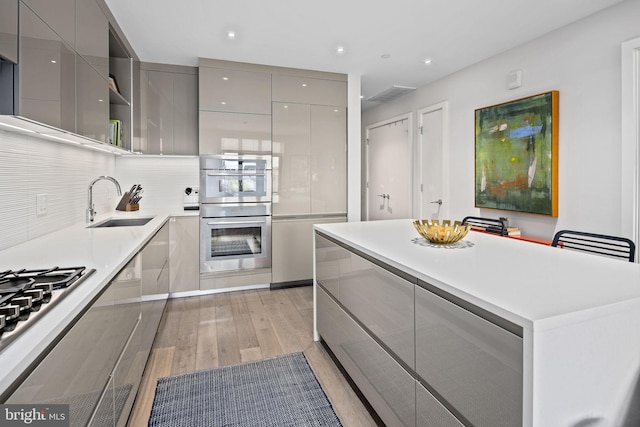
[(125, 206)]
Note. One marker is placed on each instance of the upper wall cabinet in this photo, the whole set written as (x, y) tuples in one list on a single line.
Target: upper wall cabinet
[(120, 92), (222, 133), (92, 97), (306, 90), (46, 83), (60, 15), (92, 35), (235, 91), (168, 110), (9, 30), (60, 81)]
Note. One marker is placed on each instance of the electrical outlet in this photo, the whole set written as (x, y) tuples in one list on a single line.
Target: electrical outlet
[(41, 204)]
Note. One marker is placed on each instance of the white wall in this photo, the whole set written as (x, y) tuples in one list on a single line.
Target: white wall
[(30, 166), (581, 61)]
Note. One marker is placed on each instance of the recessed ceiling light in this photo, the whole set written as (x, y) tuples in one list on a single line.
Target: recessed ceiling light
[(427, 61), (304, 85), (223, 103), (53, 61), (340, 50), (231, 35), (225, 78), (385, 56)]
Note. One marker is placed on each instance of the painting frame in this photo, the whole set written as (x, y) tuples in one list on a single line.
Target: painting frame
[(516, 155)]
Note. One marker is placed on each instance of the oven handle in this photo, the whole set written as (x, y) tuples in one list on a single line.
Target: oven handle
[(235, 222), (234, 174)]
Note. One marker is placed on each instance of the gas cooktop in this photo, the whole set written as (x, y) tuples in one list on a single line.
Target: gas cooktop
[(25, 295)]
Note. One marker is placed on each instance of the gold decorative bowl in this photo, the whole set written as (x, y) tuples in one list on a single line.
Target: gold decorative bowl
[(442, 234)]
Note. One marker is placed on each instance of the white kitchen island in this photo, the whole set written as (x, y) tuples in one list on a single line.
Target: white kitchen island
[(565, 325)]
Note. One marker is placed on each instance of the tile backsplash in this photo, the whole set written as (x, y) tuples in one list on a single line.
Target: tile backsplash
[(31, 166), (61, 174), (163, 178)]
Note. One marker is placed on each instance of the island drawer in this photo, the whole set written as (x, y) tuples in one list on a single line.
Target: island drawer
[(430, 412), (382, 302), (328, 257), (388, 387), (329, 317), (474, 365)]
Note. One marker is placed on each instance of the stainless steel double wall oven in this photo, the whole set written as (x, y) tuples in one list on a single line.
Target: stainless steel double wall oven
[(235, 212)]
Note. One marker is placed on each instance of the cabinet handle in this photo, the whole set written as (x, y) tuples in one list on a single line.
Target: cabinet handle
[(235, 222), (233, 174)]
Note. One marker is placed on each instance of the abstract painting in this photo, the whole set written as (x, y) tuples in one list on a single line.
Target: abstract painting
[(516, 155)]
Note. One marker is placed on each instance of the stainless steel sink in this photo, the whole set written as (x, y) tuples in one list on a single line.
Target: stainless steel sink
[(121, 222)]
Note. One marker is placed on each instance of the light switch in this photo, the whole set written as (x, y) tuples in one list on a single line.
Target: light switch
[(41, 204)]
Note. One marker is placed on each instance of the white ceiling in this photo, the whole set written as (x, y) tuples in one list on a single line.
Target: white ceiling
[(305, 34)]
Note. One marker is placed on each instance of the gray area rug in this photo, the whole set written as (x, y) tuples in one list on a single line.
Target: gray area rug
[(278, 392)]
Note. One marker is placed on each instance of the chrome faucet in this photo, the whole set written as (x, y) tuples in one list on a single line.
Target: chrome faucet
[(90, 212)]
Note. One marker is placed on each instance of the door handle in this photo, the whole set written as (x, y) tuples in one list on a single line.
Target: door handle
[(384, 196), (439, 201)]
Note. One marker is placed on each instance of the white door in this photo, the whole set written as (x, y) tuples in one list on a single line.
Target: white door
[(389, 169), (432, 188)]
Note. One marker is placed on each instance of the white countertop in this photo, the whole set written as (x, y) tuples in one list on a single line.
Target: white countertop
[(106, 250), (535, 286)]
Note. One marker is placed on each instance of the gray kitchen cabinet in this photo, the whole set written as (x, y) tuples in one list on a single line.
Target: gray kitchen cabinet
[(222, 132), (430, 412), (389, 388), (47, 77), (329, 258), (474, 364), (309, 159), (292, 248), (309, 90), (92, 35), (168, 109), (155, 266), (383, 303), (9, 30), (328, 154), (78, 369), (92, 98), (185, 113), (120, 93), (291, 159), (60, 16), (184, 258), (234, 91), (466, 364), (329, 321), (63, 70), (97, 366)]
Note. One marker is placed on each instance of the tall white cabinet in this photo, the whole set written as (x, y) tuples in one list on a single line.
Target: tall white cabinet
[(300, 118), (309, 169)]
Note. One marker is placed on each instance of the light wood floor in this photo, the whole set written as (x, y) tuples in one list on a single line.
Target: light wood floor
[(223, 329)]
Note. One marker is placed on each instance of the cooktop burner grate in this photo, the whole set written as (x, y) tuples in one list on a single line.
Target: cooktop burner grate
[(26, 294)]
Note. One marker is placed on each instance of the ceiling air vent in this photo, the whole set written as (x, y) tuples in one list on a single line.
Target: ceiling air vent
[(391, 93)]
